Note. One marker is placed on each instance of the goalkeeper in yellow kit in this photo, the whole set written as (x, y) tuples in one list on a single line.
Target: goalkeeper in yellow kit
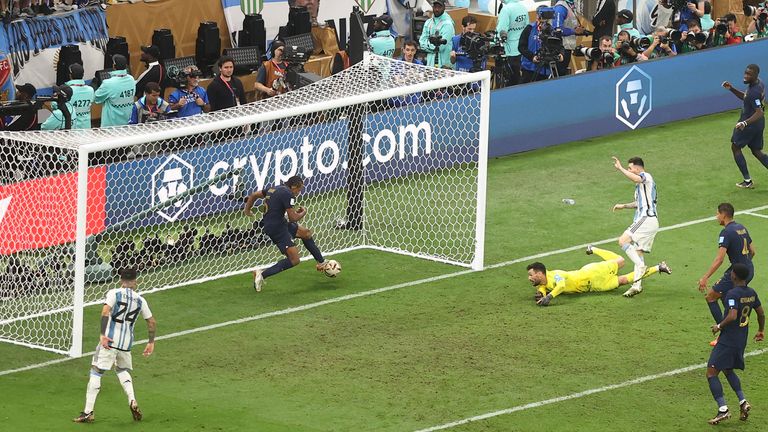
[(599, 276)]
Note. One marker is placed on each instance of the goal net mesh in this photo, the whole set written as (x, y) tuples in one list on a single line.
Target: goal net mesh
[(389, 152)]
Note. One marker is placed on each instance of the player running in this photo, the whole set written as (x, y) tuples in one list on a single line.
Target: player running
[(121, 308), (600, 276), (637, 239), (728, 354), (278, 202)]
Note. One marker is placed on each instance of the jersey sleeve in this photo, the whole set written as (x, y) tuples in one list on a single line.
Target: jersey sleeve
[(731, 301), (111, 299), (724, 240), (754, 98), (756, 304), (146, 313), (559, 285)]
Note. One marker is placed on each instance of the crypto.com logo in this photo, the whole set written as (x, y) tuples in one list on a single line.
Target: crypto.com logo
[(174, 177), (634, 97)]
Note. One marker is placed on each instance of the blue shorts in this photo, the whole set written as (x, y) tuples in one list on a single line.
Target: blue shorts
[(282, 235), (751, 136), (725, 283), (725, 357)]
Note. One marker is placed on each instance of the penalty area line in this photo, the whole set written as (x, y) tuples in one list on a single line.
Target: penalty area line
[(578, 395), (364, 294)]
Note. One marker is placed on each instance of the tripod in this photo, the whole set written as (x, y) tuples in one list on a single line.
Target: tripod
[(548, 64)]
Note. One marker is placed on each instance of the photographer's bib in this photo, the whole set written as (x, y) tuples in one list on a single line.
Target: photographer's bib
[(569, 42)]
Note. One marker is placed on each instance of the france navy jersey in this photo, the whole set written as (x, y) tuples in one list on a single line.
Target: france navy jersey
[(754, 98), (126, 306), (277, 199), (736, 240), (744, 299), (645, 197)]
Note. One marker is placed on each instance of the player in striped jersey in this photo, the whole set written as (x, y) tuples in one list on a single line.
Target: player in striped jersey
[(121, 308), (638, 238)]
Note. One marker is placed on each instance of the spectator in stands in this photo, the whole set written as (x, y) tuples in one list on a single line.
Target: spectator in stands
[(271, 77), (151, 107), (661, 45), (513, 19), (565, 20), (603, 20), (150, 56), (58, 118), (409, 53), (529, 46), (459, 58), (694, 39), (382, 42), (116, 93), (440, 29), (226, 90), (757, 26), (27, 120), (191, 99), (624, 20), (82, 97), (706, 20)]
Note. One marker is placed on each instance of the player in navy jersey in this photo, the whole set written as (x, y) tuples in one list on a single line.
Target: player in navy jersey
[(728, 355), (749, 130), (122, 307), (278, 202), (736, 242)]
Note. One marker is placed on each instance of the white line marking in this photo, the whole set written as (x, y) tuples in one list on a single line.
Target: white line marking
[(366, 293), (577, 395), (757, 214)]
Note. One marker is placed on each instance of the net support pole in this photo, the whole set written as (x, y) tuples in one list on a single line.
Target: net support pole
[(482, 171), (76, 347), (355, 174)]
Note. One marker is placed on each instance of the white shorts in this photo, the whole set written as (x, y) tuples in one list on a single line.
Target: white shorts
[(643, 231), (104, 358)]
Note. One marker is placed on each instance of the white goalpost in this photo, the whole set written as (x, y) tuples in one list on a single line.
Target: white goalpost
[(393, 155)]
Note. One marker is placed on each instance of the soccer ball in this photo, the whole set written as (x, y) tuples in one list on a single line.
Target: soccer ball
[(332, 268)]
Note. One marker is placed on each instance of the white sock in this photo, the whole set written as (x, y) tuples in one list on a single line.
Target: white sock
[(724, 408), (94, 385), (632, 254), (125, 380)]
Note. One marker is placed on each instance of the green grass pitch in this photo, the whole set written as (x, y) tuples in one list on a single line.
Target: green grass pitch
[(443, 346)]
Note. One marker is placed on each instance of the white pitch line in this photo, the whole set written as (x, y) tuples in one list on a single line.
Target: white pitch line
[(757, 214), (581, 394), (365, 293)]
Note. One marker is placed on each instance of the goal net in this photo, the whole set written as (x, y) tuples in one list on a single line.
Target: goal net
[(393, 156)]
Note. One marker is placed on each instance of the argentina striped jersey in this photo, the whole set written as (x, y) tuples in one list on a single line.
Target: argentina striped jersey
[(645, 197), (126, 306)]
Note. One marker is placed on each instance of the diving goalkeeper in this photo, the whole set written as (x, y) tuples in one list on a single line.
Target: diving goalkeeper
[(599, 276), (278, 202)]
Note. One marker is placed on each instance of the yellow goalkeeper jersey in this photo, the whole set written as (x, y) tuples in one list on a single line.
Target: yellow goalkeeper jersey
[(600, 276)]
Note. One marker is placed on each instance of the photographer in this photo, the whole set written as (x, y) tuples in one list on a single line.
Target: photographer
[(534, 67), (116, 93), (513, 19), (693, 39), (725, 32), (28, 119), (436, 34), (629, 49), (270, 79), (382, 43), (757, 26), (61, 116), (459, 58), (567, 25), (661, 45), (624, 20), (82, 97), (608, 55), (151, 107), (693, 9), (190, 99)]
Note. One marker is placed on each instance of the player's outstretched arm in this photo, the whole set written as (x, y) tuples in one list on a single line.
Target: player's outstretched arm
[(628, 174), (716, 263), (250, 201), (151, 331), (737, 93)]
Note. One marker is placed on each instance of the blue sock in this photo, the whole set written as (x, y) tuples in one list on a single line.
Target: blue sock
[(716, 387), (735, 383), (714, 309), (313, 249), (741, 162), (283, 264)]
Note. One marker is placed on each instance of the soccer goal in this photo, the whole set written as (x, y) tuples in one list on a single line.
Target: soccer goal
[(393, 156)]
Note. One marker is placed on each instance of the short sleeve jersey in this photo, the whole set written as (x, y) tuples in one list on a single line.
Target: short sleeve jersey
[(743, 299), (126, 306), (277, 199), (736, 240), (754, 98)]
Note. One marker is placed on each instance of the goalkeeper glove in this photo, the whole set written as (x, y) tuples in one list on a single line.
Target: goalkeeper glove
[(545, 300)]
